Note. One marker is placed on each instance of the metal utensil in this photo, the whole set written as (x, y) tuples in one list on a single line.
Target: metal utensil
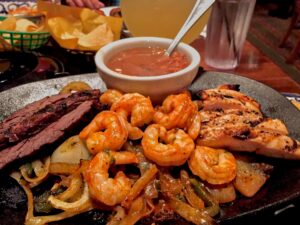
[(198, 10)]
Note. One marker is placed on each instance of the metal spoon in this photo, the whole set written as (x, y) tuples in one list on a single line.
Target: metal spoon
[(198, 10)]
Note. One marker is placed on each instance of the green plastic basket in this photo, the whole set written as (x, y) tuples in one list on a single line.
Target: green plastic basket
[(25, 40)]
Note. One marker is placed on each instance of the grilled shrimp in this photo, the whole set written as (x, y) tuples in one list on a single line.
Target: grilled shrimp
[(176, 150), (107, 131), (216, 166), (138, 109), (178, 111), (110, 191), (110, 96)]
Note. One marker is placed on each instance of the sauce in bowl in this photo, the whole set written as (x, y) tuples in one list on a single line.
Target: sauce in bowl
[(147, 61)]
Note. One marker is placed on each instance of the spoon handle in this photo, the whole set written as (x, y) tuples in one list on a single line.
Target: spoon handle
[(198, 10)]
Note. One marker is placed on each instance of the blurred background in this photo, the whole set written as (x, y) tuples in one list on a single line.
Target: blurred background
[(270, 22)]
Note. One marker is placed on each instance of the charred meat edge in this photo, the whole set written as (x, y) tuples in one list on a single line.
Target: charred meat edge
[(36, 116), (54, 133)]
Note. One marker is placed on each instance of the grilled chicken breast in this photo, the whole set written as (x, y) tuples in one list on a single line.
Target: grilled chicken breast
[(236, 123), (222, 98)]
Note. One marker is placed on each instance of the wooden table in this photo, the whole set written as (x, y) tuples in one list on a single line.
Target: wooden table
[(256, 65)]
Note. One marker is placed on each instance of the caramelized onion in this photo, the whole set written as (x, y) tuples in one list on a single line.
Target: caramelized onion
[(140, 185), (189, 213), (138, 210), (75, 86), (223, 193), (169, 185), (71, 206), (120, 214), (41, 220), (63, 168), (72, 151), (73, 189), (213, 207), (189, 193), (40, 169)]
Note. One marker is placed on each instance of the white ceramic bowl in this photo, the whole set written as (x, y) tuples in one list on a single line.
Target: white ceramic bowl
[(157, 87)]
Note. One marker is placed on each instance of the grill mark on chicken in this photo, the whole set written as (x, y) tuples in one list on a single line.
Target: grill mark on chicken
[(291, 148), (230, 118), (215, 99), (243, 136)]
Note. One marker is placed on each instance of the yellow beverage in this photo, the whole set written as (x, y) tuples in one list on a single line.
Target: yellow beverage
[(160, 18)]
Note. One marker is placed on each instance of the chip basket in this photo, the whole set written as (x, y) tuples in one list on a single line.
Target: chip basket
[(25, 40)]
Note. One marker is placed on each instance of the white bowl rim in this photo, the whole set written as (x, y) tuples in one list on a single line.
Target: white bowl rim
[(195, 62)]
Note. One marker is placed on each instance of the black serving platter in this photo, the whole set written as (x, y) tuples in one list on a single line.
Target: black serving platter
[(281, 190)]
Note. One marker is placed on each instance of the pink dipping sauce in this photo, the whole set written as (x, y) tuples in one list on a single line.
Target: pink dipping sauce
[(147, 61)]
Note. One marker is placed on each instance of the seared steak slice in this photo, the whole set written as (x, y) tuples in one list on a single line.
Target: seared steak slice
[(53, 133), (31, 108), (38, 115)]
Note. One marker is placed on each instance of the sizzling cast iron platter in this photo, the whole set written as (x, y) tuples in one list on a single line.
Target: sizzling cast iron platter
[(284, 184)]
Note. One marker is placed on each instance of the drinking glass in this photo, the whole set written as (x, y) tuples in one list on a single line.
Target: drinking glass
[(161, 18), (226, 32)]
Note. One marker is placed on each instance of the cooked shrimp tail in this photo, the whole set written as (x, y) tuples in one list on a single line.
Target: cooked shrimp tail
[(216, 166), (107, 131), (175, 150), (178, 111), (110, 96), (110, 191), (137, 110)]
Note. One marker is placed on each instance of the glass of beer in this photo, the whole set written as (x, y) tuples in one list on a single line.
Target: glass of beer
[(161, 18)]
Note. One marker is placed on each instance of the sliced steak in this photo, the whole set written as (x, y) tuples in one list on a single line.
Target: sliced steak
[(36, 116), (31, 108), (55, 132)]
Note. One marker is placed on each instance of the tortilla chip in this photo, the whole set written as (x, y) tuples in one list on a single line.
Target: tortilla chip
[(8, 24), (97, 38), (66, 36), (115, 23), (75, 34), (68, 24), (41, 28), (91, 20), (24, 25), (62, 31)]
